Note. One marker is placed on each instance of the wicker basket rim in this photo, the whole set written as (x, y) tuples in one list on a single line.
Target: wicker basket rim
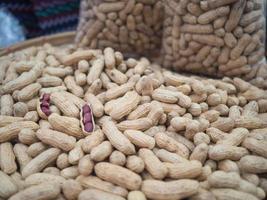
[(55, 39)]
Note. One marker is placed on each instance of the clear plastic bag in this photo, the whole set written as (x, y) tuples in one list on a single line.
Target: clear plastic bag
[(212, 37), (215, 37), (131, 26), (10, 30)]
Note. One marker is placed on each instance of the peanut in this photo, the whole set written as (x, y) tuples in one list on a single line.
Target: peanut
[(56, 139), (97, 183), (97, 195), (146, 122), (7, 162), (117, 139), (118, 175), (40, 162), (71, 189), (152, 164), (8, 187), (43, 191), (169, 190)]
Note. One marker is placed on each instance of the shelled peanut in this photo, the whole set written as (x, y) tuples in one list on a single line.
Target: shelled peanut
[(215, 38), (137, 131)]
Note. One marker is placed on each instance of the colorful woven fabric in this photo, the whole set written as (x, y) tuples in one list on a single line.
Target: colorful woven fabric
[(42, 17), (56, 15)]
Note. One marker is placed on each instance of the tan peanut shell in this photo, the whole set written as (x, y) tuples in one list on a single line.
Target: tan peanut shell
[(118, 175), (8, 187), (5, 120), (20, 152), (152, 164), (68, 125), (184, 170), (70, 172), (97, 183), (92, 140), (7, 162), (140, 139), (42, 191), (130, 101), (11, 130), (56, 139), (76, 56), (221, 152), (97, 195), (169, 190), (117, 139), (39, 178), (254, 164), (97, 106), (23, 80), (168, 143), (6, 103), (230, 194), (256, 146), (229, 180), (64, 104), (40, 162), (101, 152), (140, 124), (71, 189), (235, 137)]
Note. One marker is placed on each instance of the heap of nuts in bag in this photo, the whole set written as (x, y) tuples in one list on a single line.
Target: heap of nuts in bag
[(214, 37), (90, 124)]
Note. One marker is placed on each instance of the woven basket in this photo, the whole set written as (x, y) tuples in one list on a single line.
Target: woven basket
[(56, 39)]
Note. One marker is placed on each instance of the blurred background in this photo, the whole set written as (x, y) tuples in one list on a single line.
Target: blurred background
[(24, 19)]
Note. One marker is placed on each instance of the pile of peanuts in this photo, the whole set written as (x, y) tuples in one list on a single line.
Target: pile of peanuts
[(212, 37), (91, 125), (130, 26), (215, 37)]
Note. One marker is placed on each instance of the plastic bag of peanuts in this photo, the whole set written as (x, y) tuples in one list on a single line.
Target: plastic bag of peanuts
[(130, 26), (212, 37), (222, 38)]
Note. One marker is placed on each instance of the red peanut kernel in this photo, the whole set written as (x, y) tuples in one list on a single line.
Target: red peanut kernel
[(45, 104), (87, 118), (86, 109), (88, 127)]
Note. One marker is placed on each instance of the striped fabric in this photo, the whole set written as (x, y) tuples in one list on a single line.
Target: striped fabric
[(42, 17)]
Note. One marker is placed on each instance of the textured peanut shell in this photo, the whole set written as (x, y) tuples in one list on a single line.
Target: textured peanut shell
[(253, 164), (7, 186), (11, 130), (221, 194), (64, 104), (68, 125), (40, 162), (140, 139), (117, 139), (94, 194), (152, 164), (97, 183), (56, 139), (38, 178), (140, 124), (169, 190), (184, 170), (118, 175), (42, 191)]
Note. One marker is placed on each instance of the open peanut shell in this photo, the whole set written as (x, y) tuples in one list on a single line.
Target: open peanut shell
[(43, 106), (87, 119)]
